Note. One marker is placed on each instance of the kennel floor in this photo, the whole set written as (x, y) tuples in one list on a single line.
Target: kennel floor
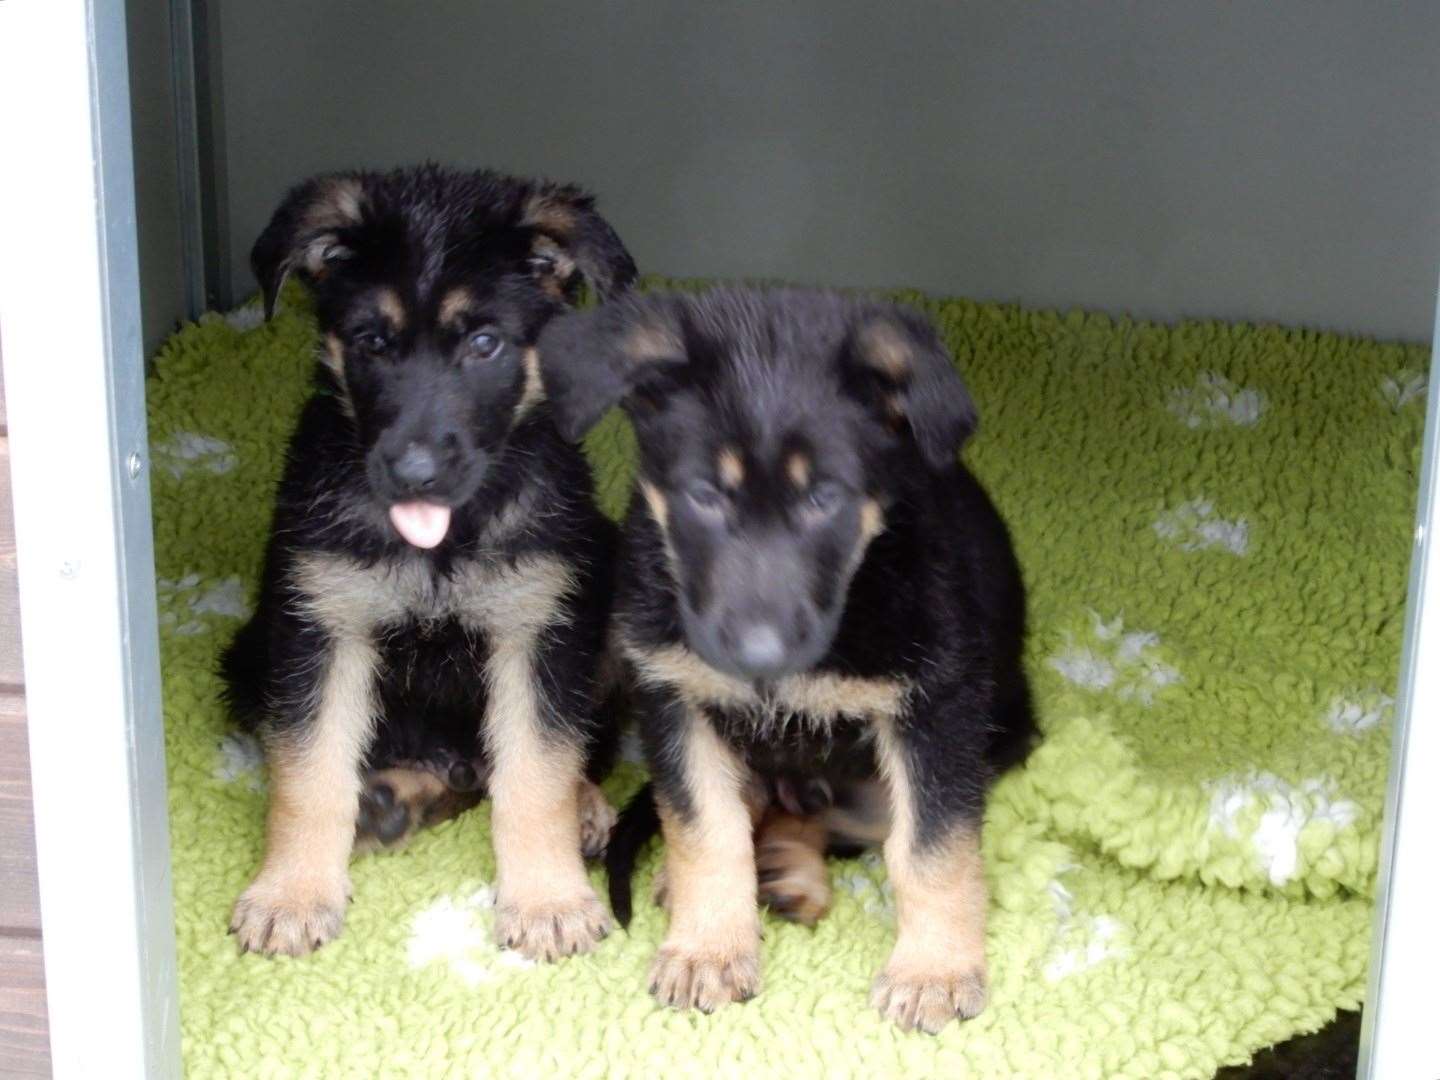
[(1214, 521)]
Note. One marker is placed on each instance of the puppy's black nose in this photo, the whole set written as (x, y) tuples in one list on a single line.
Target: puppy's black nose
[(416, 468)]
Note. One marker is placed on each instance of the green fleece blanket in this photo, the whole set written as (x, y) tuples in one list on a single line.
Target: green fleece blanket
[(1214, 523)]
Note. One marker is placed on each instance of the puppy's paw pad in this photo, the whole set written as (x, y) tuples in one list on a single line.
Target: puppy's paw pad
[(547, 932), (797, 892), (704, 981), (293, 916), (928, 1001), (597, 821)]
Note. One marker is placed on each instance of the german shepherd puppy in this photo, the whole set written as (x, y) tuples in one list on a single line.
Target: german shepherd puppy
[(824, 616), (435, 591)]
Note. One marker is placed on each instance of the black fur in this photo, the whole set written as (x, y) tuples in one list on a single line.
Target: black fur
[(638, 822), (867, 392), (415, 236)]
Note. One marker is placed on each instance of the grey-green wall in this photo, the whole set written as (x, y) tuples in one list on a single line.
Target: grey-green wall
[(1276, 161), (157, 189)]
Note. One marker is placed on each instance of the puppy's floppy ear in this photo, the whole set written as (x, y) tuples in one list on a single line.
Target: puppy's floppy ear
[(307, 233), (901, 365), (570, 236), (591, 360)]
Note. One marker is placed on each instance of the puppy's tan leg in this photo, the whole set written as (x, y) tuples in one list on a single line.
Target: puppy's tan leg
[(545, 907), (790, 863), (297, 901), (936, 971), (711, 954), (757, 801)]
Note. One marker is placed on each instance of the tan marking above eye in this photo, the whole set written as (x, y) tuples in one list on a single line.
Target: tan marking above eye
[(730, 467), (798, 469), (388, 301), (455, 304), (886, 349)]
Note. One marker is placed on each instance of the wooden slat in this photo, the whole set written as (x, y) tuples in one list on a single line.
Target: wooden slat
[(19, 896), (19, 902), (24, 1031), (12, 674), (19, 905)]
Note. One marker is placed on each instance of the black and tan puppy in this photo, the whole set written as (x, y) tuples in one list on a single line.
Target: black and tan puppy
[(824, 616), (435, 591)]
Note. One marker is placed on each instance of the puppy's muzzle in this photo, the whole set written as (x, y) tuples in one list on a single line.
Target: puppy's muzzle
[(760, 649), (414, 470)]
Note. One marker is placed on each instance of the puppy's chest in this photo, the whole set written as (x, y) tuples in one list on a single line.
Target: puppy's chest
[(503, 599), (821, 706)]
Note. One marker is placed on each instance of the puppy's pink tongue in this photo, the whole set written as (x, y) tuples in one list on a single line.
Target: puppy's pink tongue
[(420, 523)]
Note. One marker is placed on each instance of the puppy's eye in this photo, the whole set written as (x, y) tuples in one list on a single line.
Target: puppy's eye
[(705, 497), (484, 344), (825, 498), (372, 341)]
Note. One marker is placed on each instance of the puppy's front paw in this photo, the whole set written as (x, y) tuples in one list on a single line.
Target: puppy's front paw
[(685, 979), (928, 1000), (289, 913), (549, 931), (597, 820)]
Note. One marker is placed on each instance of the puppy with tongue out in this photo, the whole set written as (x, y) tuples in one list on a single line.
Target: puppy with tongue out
[(434, 596)]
